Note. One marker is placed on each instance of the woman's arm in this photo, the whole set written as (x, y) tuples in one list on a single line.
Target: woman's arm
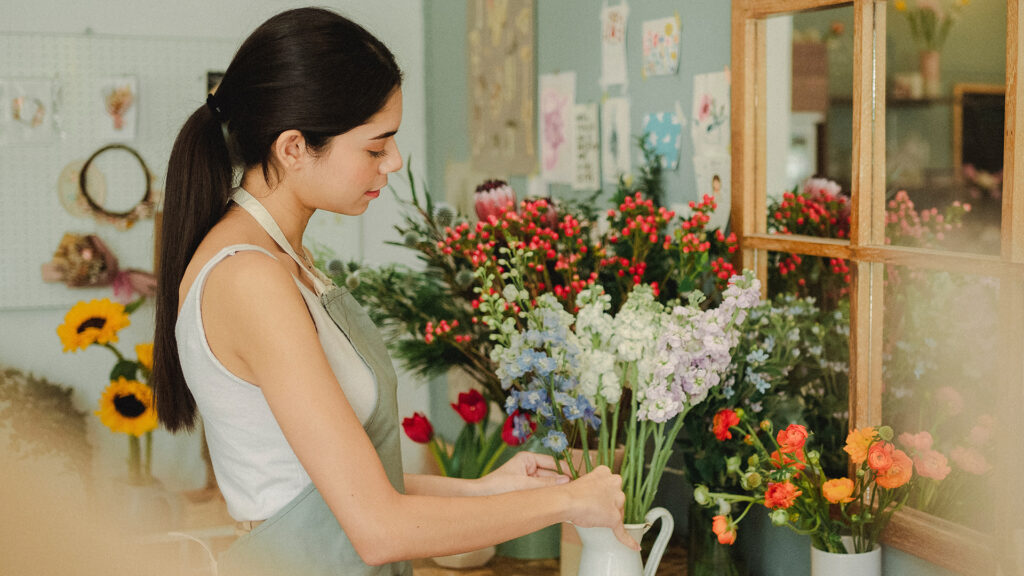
[(524, 471), (274, 336)]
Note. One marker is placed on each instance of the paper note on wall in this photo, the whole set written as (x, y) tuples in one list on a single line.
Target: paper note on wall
[(710, 128), (615, 139), (664, 132), (713, 176), (557, 101), (613, 44), (588, 146), (661, 46)]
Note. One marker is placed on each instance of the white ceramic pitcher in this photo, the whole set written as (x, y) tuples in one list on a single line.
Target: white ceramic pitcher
[(604, 555)]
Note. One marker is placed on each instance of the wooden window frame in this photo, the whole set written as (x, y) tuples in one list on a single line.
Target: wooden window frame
[(947, 544)]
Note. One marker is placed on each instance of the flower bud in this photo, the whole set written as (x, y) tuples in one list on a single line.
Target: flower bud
[(753, 479), (766, 425), (779, 517), (352, 282), (700, 495), (813, 457), (754, 461), (724, 507), (732, 464), (885, 433)]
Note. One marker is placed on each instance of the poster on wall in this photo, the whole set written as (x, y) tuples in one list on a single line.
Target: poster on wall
[(615, 139), (115, 108), (557, 103), (500, 41), (588, 148), (710, 134), (710, 128), (664, 132), (613, 44), (30, 107), (661, 46), (713, 177)]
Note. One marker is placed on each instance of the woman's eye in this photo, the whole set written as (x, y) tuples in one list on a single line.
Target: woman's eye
[(378, 153)]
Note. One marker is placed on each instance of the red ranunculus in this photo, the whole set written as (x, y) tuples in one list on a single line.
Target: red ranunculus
[(781, 495), (792, 438), (724, 529), (472, 406), (796, 459), (508, 431), (418, 428), (880, 456), (724, 420)]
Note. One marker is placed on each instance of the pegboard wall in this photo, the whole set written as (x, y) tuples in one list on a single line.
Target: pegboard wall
[(170, 78)]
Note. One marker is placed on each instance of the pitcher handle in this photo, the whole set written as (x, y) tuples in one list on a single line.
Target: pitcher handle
[(661, 542)]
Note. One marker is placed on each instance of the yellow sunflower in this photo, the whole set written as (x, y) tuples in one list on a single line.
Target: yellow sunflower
[(90, 322), (127, 407), (144, 352)]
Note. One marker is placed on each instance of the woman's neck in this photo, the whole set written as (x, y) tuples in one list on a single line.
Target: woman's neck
[(282, 203)]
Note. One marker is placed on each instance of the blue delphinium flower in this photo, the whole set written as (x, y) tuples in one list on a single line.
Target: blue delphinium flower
[(555, 441)]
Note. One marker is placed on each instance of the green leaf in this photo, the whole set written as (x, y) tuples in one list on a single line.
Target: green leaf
[(125, 368)]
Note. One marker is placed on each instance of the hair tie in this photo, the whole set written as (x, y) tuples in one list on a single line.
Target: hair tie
[(214, 105)]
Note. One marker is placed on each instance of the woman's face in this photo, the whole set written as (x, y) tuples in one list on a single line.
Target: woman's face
[(354, 166)]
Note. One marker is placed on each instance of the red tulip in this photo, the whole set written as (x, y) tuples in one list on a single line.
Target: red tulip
[(492, 198), (418, 428), (508, 431), (472, 406)]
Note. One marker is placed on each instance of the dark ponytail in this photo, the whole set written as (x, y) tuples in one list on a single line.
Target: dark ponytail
[(195, 198), (307, 69)]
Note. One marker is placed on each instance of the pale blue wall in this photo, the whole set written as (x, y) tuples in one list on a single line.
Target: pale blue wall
[(568, 39)]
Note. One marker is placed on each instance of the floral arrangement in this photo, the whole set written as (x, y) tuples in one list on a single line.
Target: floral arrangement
[(785, 476), (431, 316), (593, 379), (930, 21), (479, 444), (126, 406), (982, 184)]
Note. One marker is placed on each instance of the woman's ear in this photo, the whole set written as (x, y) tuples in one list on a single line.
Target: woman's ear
[(289, 150)]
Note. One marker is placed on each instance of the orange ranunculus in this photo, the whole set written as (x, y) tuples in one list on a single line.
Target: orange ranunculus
[(796, 459), (898, 473), (724, 420), (858, 442), (838, 491), (880, 456), (792, 438), (932, 464), (724, 529), (781, 495)]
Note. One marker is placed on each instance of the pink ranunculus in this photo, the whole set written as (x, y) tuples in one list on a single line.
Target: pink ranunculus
[(981, 433), (821, 188), (492, 198), (969, 460), (949, 399), (932, 464), (917, 442)]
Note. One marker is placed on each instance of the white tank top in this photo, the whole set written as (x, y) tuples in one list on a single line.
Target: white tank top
[(256, 469)]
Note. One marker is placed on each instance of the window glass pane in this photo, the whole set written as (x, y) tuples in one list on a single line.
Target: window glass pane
[(941, 375), (807, 325), (809, 134), (944, 118)]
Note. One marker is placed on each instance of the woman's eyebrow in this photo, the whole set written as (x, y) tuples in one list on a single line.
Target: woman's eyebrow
[(388, 134)]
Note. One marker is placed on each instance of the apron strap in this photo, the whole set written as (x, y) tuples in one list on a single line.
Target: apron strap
[(253, 206)]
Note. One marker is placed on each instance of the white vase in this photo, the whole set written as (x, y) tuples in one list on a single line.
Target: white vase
[(604, 555), (832, 564), (472, 559)]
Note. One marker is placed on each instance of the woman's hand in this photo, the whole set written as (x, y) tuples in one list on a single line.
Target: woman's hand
[(525, 471), (598, 500)]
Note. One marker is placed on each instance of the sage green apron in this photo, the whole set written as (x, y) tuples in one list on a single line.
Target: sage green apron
[(304, 538)]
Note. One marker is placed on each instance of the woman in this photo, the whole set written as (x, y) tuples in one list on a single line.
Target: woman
[(257, 339)]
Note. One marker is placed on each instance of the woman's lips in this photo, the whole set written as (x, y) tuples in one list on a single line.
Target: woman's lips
[(373, 193)]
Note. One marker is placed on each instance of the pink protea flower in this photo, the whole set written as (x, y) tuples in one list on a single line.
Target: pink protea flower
[(492, 198)]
